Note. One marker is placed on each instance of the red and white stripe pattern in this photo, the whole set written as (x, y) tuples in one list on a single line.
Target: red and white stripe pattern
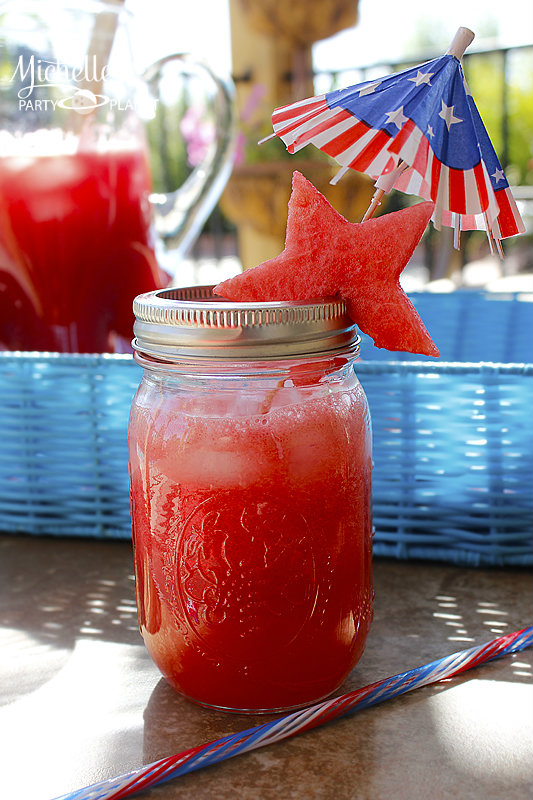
[(351, 142), (464, 199)]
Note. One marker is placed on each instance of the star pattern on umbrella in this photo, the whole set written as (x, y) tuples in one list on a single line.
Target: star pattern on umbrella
[(370, 89), (499, 175), (325, 255), (424, 116), (421, 77), (397, 117), (446, 113)]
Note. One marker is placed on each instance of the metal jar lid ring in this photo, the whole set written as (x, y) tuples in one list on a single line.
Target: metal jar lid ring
[(192, 322)]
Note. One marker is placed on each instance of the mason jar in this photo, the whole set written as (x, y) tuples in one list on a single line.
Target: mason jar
[(250, 473)]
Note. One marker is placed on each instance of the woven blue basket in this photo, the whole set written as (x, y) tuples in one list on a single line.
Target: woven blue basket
[(453, 439)]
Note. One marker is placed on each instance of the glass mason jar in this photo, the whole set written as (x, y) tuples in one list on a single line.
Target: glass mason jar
[(250, 472)]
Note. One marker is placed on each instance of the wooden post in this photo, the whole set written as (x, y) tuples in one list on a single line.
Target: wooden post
[(272, 52), (265, 61)]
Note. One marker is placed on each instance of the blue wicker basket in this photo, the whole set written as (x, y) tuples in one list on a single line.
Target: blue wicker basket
[(453, 439)]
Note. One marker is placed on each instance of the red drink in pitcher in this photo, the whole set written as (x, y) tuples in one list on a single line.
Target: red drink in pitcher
[(75, 249)]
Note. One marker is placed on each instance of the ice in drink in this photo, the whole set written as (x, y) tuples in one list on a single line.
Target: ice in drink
[(252, 536)]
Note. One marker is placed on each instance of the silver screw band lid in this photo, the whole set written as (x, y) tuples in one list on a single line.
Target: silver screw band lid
[(192, 322)]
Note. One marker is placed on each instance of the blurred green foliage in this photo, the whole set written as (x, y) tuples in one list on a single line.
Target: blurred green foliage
[(493, 87)]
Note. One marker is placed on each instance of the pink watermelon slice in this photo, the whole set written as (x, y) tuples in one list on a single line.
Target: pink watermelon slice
[(325, 256)]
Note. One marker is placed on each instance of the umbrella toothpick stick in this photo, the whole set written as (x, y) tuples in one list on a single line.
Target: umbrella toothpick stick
[(384, 184), (462, 39), (374, 205)]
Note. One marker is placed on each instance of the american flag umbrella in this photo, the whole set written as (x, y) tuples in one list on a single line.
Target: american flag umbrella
[(418, 131)]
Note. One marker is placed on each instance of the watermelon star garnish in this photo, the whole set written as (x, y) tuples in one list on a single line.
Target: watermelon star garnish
[(327, 256)]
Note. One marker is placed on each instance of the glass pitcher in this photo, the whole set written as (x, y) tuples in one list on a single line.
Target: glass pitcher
[(81, 231)]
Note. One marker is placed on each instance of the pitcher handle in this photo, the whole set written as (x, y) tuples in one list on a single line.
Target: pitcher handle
[(180, 215)]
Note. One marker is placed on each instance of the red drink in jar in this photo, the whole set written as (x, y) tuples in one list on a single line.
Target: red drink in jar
[(251, 505), (75, 248)]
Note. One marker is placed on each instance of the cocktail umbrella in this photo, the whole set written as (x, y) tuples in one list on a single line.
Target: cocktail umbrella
[(418, 131)]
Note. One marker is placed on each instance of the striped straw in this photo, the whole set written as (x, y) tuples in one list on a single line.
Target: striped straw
[(303, 720)]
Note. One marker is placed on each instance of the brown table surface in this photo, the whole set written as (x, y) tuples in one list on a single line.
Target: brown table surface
[(81, 700)]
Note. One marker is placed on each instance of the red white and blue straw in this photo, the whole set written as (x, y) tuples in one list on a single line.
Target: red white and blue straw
[(303, 720)]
